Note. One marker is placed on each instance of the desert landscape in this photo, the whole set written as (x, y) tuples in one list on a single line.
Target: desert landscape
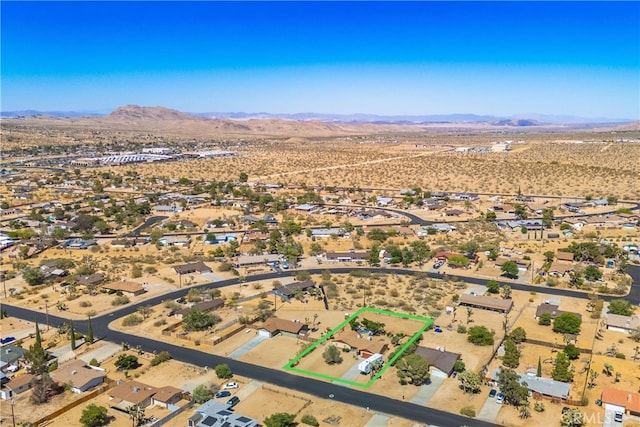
[(419, 217)]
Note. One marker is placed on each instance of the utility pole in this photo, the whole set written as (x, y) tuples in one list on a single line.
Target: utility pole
[(4, 283), (13, 416)]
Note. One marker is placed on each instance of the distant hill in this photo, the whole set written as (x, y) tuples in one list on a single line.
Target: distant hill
[(317, 124), (136, 112)]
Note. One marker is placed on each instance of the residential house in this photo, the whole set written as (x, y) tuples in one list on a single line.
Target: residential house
[(10, 355), (131, 289), (465, 196), (78, 244), (131, 393), (621, 400), (214, 239), (168, 209), (384, 201), (564, 256), (523, 264), (91, 279), (552, 309), (542, 386), (619, 323), (205, 306), (453, 212), (194, 267), (274, 326), (79, 376), (439, 195), (486, 303), (15, 386), (183, 241), (288, 291), (215, 413), (327, 232), (363, 344), (431, 203), (440, 361), (306, 207), (248, 260), (559, 269), (167, 397), (345, 256)]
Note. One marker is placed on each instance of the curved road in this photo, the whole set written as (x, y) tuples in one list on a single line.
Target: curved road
[(311, 386)]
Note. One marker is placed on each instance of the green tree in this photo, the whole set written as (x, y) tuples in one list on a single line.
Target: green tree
[(547, 218), (480, 335), (310, 420), (72, 336), (33, 276), (223, 371), (545, 319), (561, 368), (510, 268), (518, 335), (93, 416), (161, 357), (571, 351), (377, 234), (493, 287), (506, 291), (514, 392), (490, 216), (280, 419), (126, 362), (521, 211), (567, 323), (198, 320), (136, 414), (539, 370), (511, 356), (243, 177), (471, 381), (89, 331), (621, 307), (592, 273), (414, 369), (331, 355), (458, 261), (549, 256), (201, 394)]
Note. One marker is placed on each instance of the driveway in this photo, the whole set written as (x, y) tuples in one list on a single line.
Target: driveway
[(427, 391), (489, 410), (352, 373), (103, 353), (247, 347)]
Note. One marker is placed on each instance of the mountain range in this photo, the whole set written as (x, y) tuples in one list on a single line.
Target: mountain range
[(163, 113)]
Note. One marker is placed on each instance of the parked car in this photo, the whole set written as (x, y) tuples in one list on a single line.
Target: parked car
[(284, 264), (438, 264), (618, 417), (7, 340), (493, 392), (221, 394), (230, 385), (233, 401), (500, 399)]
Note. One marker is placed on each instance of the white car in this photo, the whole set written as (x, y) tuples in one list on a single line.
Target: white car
[(230, 385)]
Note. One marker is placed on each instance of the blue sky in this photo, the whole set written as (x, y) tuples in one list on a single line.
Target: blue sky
[(395, 58)]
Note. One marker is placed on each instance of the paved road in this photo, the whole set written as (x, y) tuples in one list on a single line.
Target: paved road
[(305, 385), (148, 223)]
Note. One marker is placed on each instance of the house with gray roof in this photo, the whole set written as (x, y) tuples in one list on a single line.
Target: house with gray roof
[(544, 386), (440, 361), (214, 413)]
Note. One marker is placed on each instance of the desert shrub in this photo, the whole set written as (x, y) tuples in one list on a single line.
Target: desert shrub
[(94, 362), (462, 329), (620, 356), (468, 411), (310, 420), (163, 356), (120, 300), (85, 304), (132, 320)]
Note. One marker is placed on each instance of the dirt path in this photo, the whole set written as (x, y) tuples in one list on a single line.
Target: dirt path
[(348, 165)]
